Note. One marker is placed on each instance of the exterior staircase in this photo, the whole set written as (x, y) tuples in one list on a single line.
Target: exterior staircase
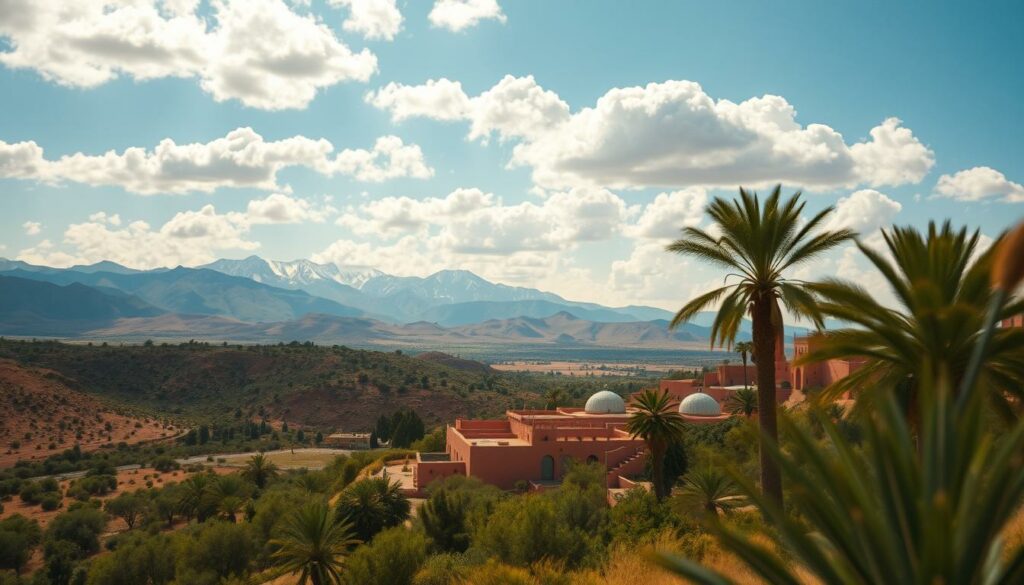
[(631, 464)]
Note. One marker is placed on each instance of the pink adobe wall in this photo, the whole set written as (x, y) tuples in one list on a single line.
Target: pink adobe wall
[(425, 472), (1015, 321), (821, 374), (680, 389), (711, 378), (504, 466), (732, 375)]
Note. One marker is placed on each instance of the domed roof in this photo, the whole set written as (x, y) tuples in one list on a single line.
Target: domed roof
[(700, 404), (605, 402)]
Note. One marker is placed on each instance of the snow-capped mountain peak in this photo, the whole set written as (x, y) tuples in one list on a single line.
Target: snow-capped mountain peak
[(294, 273)]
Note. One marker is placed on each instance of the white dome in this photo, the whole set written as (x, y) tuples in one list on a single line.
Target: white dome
[(605, 402), (700, 404)]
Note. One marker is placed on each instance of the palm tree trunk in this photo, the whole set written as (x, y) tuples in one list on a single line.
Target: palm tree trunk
[(764, 346), (658, 470)]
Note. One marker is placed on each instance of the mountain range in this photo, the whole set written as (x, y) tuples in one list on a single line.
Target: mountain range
[(259, 300)]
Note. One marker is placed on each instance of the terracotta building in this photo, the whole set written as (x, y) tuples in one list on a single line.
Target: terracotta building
[(821, 374), (536, 445), (722, 381)]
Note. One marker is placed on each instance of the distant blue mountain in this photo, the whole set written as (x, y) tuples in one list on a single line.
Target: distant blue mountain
[(201, 292), (35, 307), (255, 290)]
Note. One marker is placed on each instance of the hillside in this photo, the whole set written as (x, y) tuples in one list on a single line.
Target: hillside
[(457, 363), (326, 387), (44, 414)]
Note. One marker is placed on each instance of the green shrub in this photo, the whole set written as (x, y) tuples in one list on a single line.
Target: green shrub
[(18, 536), (442, 569), (165, 463), (80, 526), (30, 493), (50, 501), (394, 556)]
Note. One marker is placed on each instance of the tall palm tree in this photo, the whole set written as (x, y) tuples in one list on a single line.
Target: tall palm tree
[(313, 544), (711, 490), (744, 348), (743, 401), (758, 244), (658, 423), (940, 283), (259, 470)]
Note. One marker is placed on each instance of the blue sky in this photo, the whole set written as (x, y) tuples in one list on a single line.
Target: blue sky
[(550, 178)]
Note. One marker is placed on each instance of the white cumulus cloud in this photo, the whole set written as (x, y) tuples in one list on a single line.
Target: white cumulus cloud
[(670, 212), (242, 158), (469, 221), (260, 52), (669, 134), (975, 184), (440, 99), (864, 212), (374, 19), (390, 158), (458, 15), (32, 228), (280, 208), (189, 238), (401, 215)]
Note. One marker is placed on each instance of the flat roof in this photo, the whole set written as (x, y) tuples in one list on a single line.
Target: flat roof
[(496, 442)]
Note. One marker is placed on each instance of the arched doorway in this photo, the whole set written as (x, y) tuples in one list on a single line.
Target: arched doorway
[(547, 468)]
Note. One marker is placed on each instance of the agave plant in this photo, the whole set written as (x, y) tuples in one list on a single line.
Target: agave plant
[(922, 510)]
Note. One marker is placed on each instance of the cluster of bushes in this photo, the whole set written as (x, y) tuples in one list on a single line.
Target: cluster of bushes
[(45, 493), (70, 537)]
